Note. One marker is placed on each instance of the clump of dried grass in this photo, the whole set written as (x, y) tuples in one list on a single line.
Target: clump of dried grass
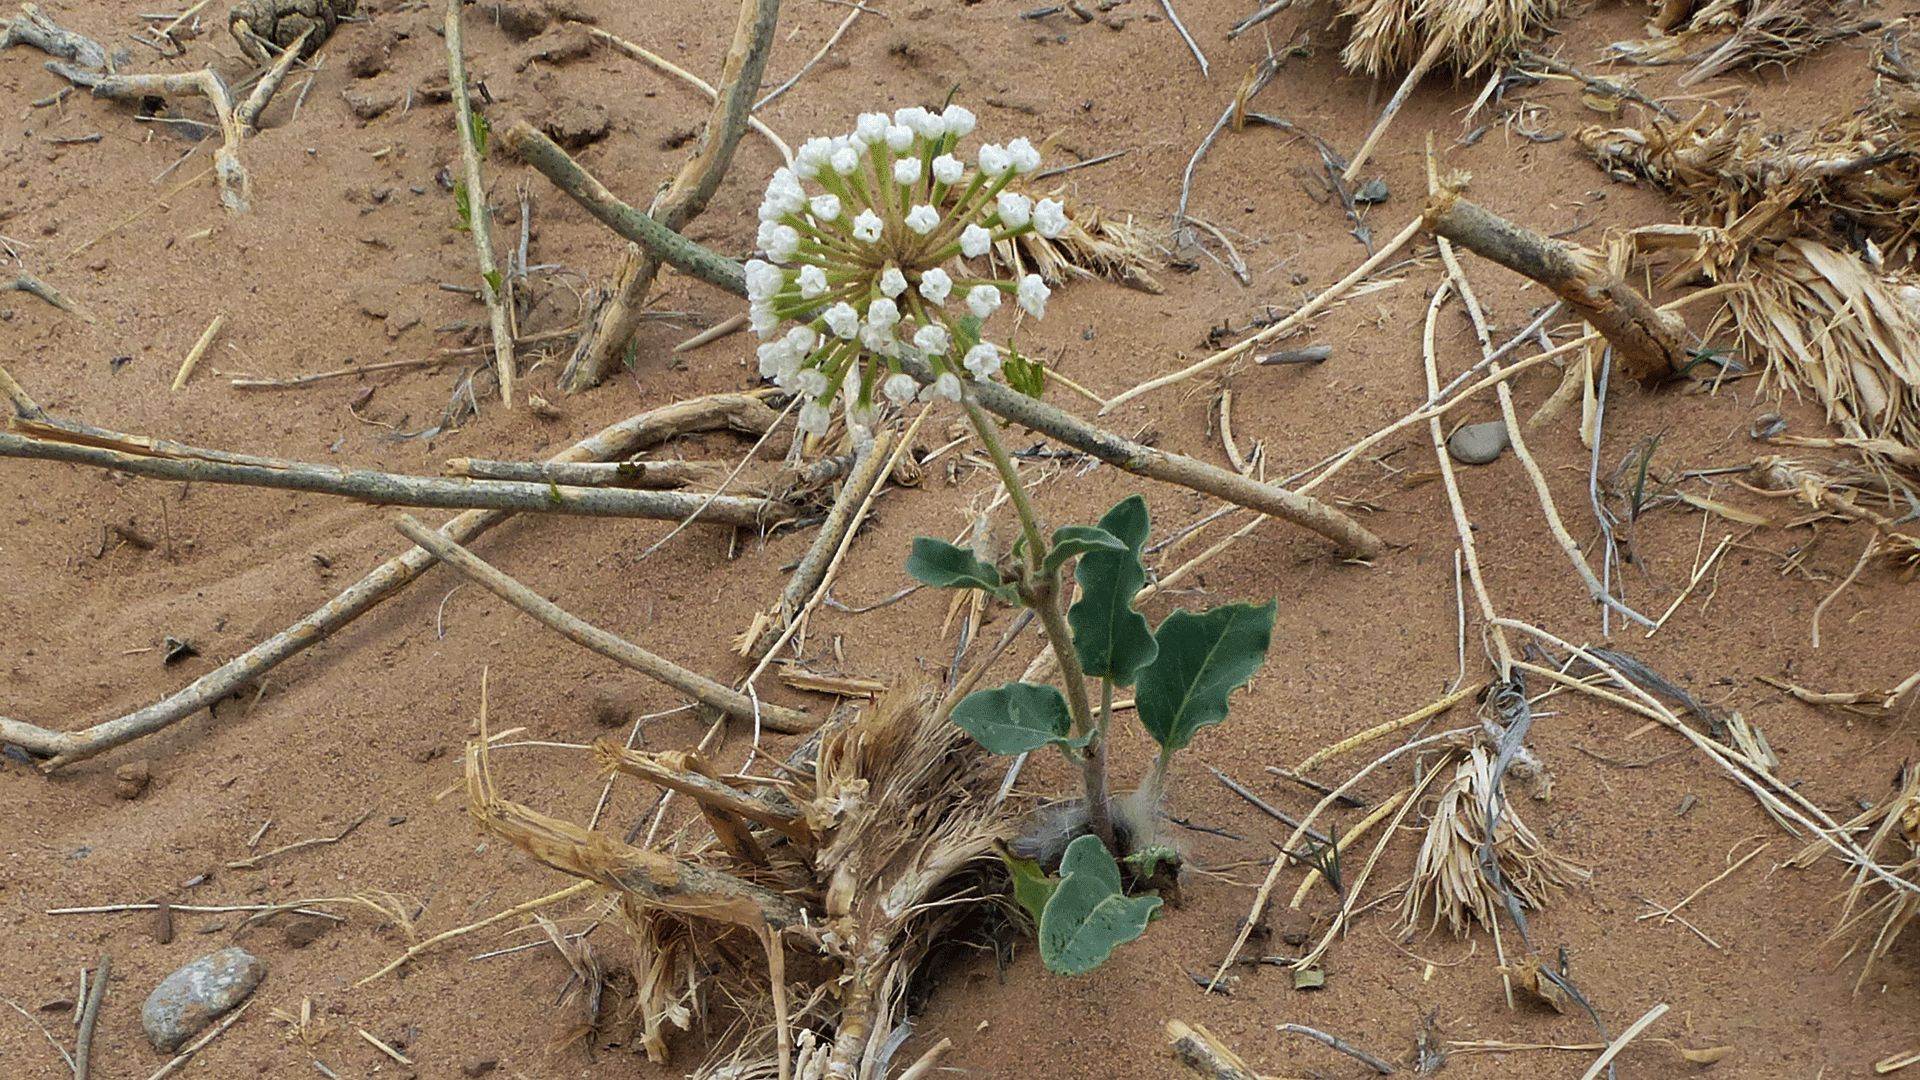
[(1447, 880), (1095, 244), (874, 841), (1392, 35), (1893, 838)]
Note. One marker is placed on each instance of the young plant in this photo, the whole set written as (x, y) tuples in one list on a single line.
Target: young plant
[(1183, 674), (868, 276)]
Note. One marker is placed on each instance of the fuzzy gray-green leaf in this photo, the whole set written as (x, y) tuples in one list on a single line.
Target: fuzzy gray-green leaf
[(1088, 915), (1112, 640), (1015, 718), (1203, 659)]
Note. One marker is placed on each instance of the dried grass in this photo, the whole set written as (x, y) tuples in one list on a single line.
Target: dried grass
[(1094, 244), (1391, 35), (1894, 840), (1447, 882)]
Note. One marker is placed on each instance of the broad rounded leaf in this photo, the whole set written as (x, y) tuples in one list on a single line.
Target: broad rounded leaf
[(1088, 916), (1072, 540), (1203, 659), (1015, 718), (946, 566), (1032, 888), (1112, 640)]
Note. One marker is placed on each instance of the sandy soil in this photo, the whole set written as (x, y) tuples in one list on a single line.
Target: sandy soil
[(341, 259)]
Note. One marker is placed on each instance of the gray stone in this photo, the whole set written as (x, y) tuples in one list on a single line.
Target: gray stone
[(187, 1001), (1478, 444)]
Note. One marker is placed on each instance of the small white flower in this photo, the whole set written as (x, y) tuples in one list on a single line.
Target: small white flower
[(948, 169), (982, 361), (843, 320), (983, 300), (845, 160), (775, 357), (825, 207), (813, 282), (764, 280), (899, 137), (866, 227), (946, 386), (906, 170), (932, 339), (994, 160), (811, 382), (784, 196), (1050, 218), (814, 418), (959, 120), (920, 219), (812, 157), (900, 388), (782, 242), (1015, 209), (879, 339), (802, 340), (883, 313), (922, 122), (974, 241), (1025, 157), (870, 128), (761, 317), (892, 281), (935, 284), (1033, 295)]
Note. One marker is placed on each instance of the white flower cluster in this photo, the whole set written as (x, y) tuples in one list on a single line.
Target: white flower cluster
[(866, 268)]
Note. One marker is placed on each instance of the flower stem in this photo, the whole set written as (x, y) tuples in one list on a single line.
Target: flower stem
[(1041, 592)]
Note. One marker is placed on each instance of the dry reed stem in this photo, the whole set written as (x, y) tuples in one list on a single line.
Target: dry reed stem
[(1202, 1051), (1346, 840), (1351, 894), (1379, 731), (479, 218), (577, 889), (1613, 1049)]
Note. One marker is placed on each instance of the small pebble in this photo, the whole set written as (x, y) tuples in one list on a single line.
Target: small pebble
[(189, 1000), (1478, 444)]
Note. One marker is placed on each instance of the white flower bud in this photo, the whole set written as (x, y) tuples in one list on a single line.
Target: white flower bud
[(825, 207), (946, 386), (920, 122), (814, 418), (906, 170), (935, 284), (811, 382), (761, 317), (982, 361), (802, 340), (764, 280), (900, 388), (994, 161), (1033, 295), (948, 169), (933, 340), (892, 281), (879, 339), (883, 313), (845, 160), (983, 300), (775, 357), (782, 242), (959, 120), (1050, 218), (974, 241), (866, 227), (1025, 157), (1015, 209), (870, 128), (922, 219), (843, 320), (899, 137), (813, 282), (812, 157)]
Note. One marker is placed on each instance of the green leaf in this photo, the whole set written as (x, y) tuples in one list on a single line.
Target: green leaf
[(480, 129), (1024, 374), (1088, 916), (1015, 718), (1203, 659), (947, 566), (1032, 888), (1072, 540), (1113, 640), (493, 281), (463, 205)]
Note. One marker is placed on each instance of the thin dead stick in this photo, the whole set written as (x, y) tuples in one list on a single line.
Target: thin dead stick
[(1353, 540), (28, 283), (1344, 1047), (578, 888), (1651, 343), (1409, 801), (925, 1063), (855, 496), (200, 909), (602, 347), (201, 1043), (1421, 66), (247, 113), (653, 475), (1203, 1052), (1421, 715), (1613, 1049), (858, 10), (89, 1015), (635, 433), (199, 349), (479, 220), (1609, 87), (251, 383), (1280, 329), (1666, 915), (1866, 554), (147, 209), (731, 325), (1388, 806), (55, 1043), (317, 841), (698, 687), (206, 82), (1265, 892), (388, 489), (1174, 18), (642, 54), (383, 1047), (1698, 576)]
